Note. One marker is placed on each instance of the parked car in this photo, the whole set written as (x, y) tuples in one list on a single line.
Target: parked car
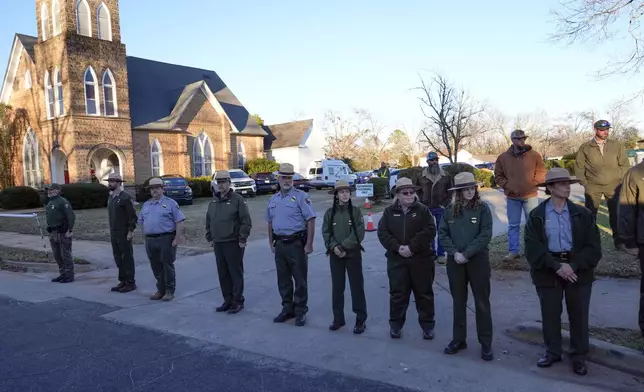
[(324, 173), (393, 176), (485, 166), (265, 182), (301, 183), (240, 182), (177, 188)]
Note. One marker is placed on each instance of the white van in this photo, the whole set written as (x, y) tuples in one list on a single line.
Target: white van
[(326, 172)]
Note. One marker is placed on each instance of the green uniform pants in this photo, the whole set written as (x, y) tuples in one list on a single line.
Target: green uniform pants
[(61, 248), (350, 265), (123, 256), (230, 268), (476, 273), (577, 305), (162, 255), (291, 262), (594, 195), (407, 276)]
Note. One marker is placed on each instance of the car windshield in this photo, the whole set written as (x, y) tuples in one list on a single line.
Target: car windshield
[(238, 174), (395, 171), (174, 181), (264, 176)]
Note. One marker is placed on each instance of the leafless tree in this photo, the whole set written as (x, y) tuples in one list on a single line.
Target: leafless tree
[(13, 125), (603, 21), (342, 135), (452, 116)]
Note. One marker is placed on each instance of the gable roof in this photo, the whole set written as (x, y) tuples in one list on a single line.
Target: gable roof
[(160, 92), (21, 43), (290, 134)]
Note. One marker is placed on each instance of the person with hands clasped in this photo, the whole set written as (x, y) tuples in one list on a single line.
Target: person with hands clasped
[(228, 226), (562, 246), (343, 231), (406, 230), (465, 233)]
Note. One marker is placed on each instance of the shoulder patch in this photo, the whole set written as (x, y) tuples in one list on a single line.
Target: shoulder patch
[(308, 201)]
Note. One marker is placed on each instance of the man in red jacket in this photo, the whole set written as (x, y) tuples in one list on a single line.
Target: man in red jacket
[(519, 171)]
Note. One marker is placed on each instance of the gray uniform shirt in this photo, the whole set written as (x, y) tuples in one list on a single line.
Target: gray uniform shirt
[(160, 216), (289, 213), (558, 229)]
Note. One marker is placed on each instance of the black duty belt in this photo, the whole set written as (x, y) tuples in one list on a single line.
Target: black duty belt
[(288, 238), (161, 234), (562, 255)]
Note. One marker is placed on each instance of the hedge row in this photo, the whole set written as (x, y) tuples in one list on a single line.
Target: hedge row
[(485, 177), (568, 164), (80, 196)]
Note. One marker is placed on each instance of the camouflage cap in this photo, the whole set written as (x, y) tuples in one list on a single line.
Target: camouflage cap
[(602, 125), (53, 187)]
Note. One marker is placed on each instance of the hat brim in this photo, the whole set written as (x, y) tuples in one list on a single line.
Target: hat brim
[(335, 190), (572, 180), (155, 185), (287, 174), (115, 180), (465, 185)]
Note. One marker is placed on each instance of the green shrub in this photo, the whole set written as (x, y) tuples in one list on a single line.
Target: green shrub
[(459, 167), (19, 197), (412, 173), (569, 157), (379, 187), (569, 164), (485, 177), (200, 186), (86, 195), (550, 163), (261, 165)]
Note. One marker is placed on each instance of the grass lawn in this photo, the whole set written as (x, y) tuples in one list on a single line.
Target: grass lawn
[(613, 263), (619, 336), (30, 256)]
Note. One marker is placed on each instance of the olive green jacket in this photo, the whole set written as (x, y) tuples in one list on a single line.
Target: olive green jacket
[(631, 207), (121, 213), (593, 168), (59, 214), (339, 230), (469, 234), (228, 218)]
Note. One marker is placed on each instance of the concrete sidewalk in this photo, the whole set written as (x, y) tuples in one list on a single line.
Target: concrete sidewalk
[(410, 362)]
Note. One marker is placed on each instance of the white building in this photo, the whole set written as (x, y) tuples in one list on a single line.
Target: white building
[(298, 143), (463, 156)]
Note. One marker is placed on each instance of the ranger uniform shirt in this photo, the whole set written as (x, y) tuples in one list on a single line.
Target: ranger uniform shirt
[(121, 212), (288, 213), (59, 213), (160, 216), (228, 218)]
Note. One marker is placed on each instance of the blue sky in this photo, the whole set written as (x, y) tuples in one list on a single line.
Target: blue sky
[(289, 59)]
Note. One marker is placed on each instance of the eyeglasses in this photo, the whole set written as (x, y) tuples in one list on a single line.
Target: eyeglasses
[(408, 193), (433, 160)]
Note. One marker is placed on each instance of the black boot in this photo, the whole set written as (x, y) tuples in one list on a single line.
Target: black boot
[(118, 287), (335, 325), (454, 347), (223, 308), (57, 279), (359, 327)]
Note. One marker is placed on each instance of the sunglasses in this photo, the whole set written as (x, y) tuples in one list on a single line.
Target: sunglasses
[(407, 193), (433, 160)]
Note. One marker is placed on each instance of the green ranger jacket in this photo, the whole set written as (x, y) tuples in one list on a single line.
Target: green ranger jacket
[(586, 246), (631, 207), (121, 212), (594, 168), (415, 229), (59, 214), (228, 218), (470, 233), (341, 230)]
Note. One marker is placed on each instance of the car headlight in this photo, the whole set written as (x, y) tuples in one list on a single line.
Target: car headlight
[(188, 190)]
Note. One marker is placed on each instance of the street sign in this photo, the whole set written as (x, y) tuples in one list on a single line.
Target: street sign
[(364, 190)]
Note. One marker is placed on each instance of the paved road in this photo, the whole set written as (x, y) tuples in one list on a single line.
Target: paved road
[(65, 345)]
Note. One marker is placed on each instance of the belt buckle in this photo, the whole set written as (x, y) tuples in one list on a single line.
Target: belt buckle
[(563, 256)]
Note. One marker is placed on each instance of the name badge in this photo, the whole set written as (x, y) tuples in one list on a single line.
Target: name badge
[(473, 219), (164, 206), (413, 215), (396, 214)]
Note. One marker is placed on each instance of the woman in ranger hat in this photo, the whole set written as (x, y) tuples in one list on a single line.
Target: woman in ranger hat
[(343, 231), (406, 230), (465, 232)]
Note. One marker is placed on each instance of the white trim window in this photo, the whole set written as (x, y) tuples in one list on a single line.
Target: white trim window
[(55, 17), (58, 92), (241, 155), (44, 21), (104, 21), (49, 96), (28, 79), (156, 158), (109, 95), (31, 160), (202, 154), (92, 101), (83, 19)]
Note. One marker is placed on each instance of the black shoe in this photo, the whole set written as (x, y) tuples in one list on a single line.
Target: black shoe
[(428, 334), (127, 288), (547, 360), (395, 333), (118, 287), (336, 325), (300, 320), (57, 279), (68, 279), (224, 307), (236, 308), (282, 317), (486, 353), (454, 347), (359, 327), (579, 367)]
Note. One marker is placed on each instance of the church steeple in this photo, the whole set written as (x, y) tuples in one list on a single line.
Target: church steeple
[(90, 18)]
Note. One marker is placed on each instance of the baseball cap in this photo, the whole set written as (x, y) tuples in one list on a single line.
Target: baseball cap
[(431, 155), (602, 125), (53, 186)]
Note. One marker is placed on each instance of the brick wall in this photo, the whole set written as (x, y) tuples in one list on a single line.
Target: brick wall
[(174, 153), (68, 16)]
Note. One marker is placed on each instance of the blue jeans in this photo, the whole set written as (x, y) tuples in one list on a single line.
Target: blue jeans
[(514, 209), (436, 244)]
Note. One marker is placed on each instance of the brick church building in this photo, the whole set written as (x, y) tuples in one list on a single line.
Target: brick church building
[(93, 110)]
